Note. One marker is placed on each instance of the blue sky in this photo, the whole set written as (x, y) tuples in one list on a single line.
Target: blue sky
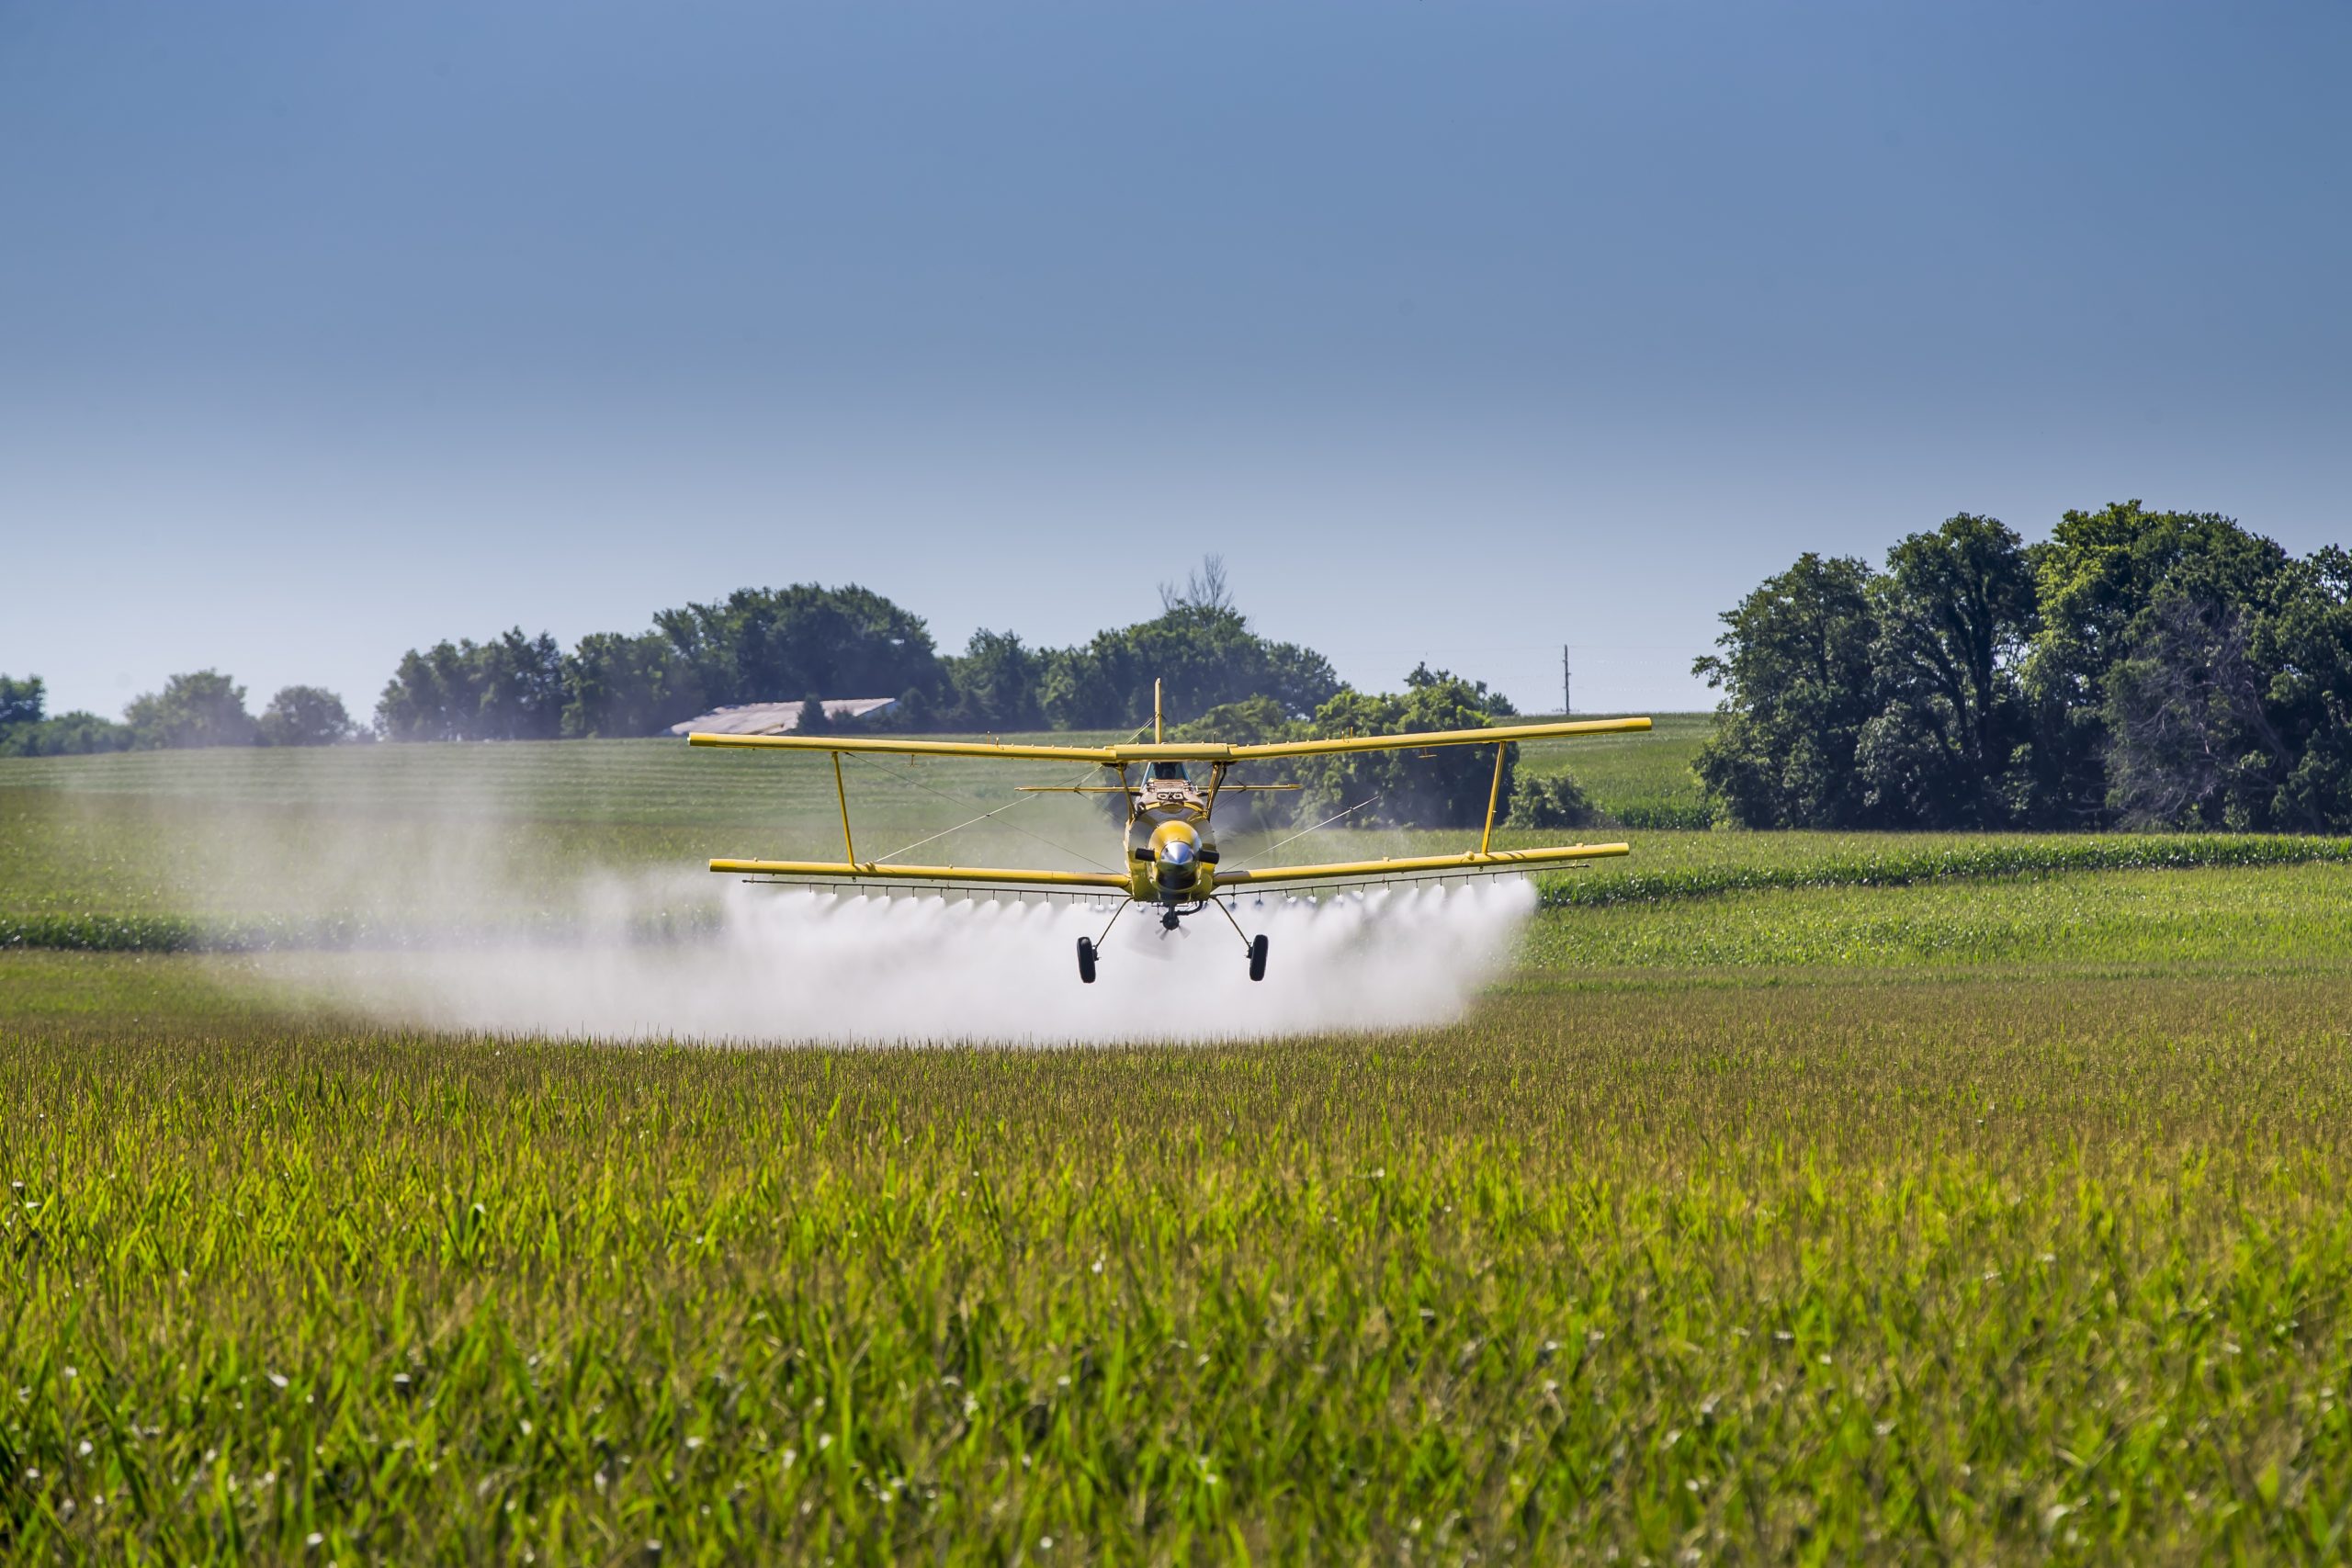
[(1460, 331)]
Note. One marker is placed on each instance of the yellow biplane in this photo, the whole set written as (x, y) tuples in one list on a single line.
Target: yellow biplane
[(1170, 854)]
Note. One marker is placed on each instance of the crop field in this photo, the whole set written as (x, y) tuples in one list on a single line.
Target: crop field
[(1786, 1196), (1641, 781), (151, 832)]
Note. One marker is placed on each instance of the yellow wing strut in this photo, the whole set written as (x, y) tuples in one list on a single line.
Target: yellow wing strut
[(849, 851), (1494, 795)]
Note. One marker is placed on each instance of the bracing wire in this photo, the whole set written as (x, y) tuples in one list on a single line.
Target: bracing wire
[(1270, 849), (1018, 800)]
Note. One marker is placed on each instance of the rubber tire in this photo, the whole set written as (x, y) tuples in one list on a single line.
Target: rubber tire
[(1086, 959), (1258, 958)]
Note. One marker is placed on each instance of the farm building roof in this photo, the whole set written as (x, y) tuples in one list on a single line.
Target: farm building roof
[(780, 718)]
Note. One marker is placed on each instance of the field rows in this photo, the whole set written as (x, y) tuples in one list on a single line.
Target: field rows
[(1819, 1196), (1750, 1274)]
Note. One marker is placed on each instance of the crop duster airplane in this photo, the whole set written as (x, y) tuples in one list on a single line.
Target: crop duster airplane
[(1169, 851)]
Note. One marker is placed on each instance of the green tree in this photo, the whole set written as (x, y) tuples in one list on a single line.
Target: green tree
[(996, 681), (617, 686), (65, 735), (202, 708), (1552, 800), (1253, 721), (1953, 612), (2100, 579), (1203, 654), (21, 702), (1446, 787), (26, 731), (762, 643), (508, 689), (2189, 743), (2304, 642), (431, 696), (521, 695), (304, 715), (1799, 685)]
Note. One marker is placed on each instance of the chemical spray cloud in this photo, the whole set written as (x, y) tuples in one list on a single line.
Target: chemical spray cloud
[(792, 964), (472, 912)]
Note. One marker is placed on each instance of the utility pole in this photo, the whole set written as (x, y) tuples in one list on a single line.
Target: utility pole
[(1567, 700)]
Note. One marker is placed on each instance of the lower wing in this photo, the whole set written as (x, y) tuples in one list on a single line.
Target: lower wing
[(1417, 867), (936, 875)]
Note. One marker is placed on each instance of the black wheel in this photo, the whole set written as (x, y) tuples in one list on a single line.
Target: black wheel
[(1086, 959), (1258, 958)]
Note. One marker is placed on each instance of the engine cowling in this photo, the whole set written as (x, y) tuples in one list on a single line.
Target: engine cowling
[(1180, 870)]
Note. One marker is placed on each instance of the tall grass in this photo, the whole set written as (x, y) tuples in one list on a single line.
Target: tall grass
[(2020, 1270), (1800, 1196), (2277, 920), (1893, 862)]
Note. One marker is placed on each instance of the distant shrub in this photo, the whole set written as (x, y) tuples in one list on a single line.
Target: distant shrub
[(201, 708), (1554, 801), (26, 730), (67, 735), (304, 715)]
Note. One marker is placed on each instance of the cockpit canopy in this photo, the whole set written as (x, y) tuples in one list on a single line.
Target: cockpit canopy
[(1170, 771)]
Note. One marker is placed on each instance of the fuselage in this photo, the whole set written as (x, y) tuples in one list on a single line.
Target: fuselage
[(1171, 852)]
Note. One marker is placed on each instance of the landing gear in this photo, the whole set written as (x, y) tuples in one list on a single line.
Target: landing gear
[(1086, 959), (1255, 946)]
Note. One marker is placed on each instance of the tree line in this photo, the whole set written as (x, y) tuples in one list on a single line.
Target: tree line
[(807, 642), (2137, 668), (1219, 680), (201, 708)]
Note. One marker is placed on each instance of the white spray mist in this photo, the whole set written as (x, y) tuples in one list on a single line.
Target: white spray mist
[(793, 965), (470, 916)]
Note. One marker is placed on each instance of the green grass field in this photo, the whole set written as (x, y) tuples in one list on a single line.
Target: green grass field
[(1974, 1217), (1641, 781)]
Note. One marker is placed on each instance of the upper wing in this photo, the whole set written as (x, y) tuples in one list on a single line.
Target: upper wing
[(1107, 755), (869, 871), (1186, 751), (1414, 866), (1493, 736)]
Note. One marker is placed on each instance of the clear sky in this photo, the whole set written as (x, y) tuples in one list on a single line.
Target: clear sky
[(1459, 330)]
